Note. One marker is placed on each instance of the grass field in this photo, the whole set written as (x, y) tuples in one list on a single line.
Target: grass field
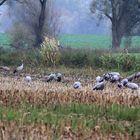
[(54, 111), (93, 41), (78, 41), (5, 40)]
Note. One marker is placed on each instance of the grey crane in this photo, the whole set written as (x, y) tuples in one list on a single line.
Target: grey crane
[(51, 77), (99, 86), (58, 77), (99, 79), (18, 69), (77, 85)]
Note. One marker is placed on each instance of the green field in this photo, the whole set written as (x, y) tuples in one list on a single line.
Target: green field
[(5, 40), (93, 41), (79, 41)]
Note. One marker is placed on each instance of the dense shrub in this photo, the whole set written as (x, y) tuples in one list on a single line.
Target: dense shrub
[(98, 59), (14, 57), (8, 57), (21, 38), (123, 62), (74, 58), (127, 62)]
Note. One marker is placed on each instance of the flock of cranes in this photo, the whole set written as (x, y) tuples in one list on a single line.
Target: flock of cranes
[(112, 77)]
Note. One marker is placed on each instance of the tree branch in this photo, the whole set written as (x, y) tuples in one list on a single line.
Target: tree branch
[(21, 1), (107, 15), (41, 1), (2, 2)]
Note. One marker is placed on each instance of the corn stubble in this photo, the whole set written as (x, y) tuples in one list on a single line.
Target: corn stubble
[(14, 93)]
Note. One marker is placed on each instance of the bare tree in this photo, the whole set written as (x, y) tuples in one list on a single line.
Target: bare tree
[(2, 2), (123, 14), (40, 17), (41, 22), (52, 19)]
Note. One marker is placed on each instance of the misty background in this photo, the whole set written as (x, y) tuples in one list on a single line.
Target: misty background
[(76, 18)]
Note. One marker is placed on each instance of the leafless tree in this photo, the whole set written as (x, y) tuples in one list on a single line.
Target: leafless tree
[(40, 17), (2, 2)]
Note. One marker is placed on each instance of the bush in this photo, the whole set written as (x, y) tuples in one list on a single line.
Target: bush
[(12, 57), (109, 61), (8, 57), (50, 52), (127, 62), (21, 37), (123, 62), (97, 59), (79, 60), (71, 58), (74, 58)]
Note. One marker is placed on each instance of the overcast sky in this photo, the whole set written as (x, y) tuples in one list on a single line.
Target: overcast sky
[(75, 18)]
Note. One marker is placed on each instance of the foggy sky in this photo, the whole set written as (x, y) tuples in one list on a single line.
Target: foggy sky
[(75, 18)]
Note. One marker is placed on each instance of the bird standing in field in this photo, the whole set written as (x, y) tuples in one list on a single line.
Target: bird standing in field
[(99, 79), (28, 79), (132, 86), (18, 69), (111, 76), (58, 77), (99, 86), (77, 85), (51, 77), (114, 78), (124, 81), (106, 76), (137, 75)]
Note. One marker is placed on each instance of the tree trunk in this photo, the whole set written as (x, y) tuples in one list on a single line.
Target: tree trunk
[(116, 35), (116, 41), (39, 30)]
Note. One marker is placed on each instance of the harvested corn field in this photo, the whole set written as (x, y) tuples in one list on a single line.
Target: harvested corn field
[(40, 111)]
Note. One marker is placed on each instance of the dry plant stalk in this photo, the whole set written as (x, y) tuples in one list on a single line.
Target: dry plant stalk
[(50, 51)]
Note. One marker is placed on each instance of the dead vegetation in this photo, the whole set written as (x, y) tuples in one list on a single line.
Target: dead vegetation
[(13, 91), (16, 92), (11, 131)]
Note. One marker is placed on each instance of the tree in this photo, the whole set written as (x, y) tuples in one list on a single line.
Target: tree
[(41, 22), (123, 14), (39, 17), (2, 2)]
